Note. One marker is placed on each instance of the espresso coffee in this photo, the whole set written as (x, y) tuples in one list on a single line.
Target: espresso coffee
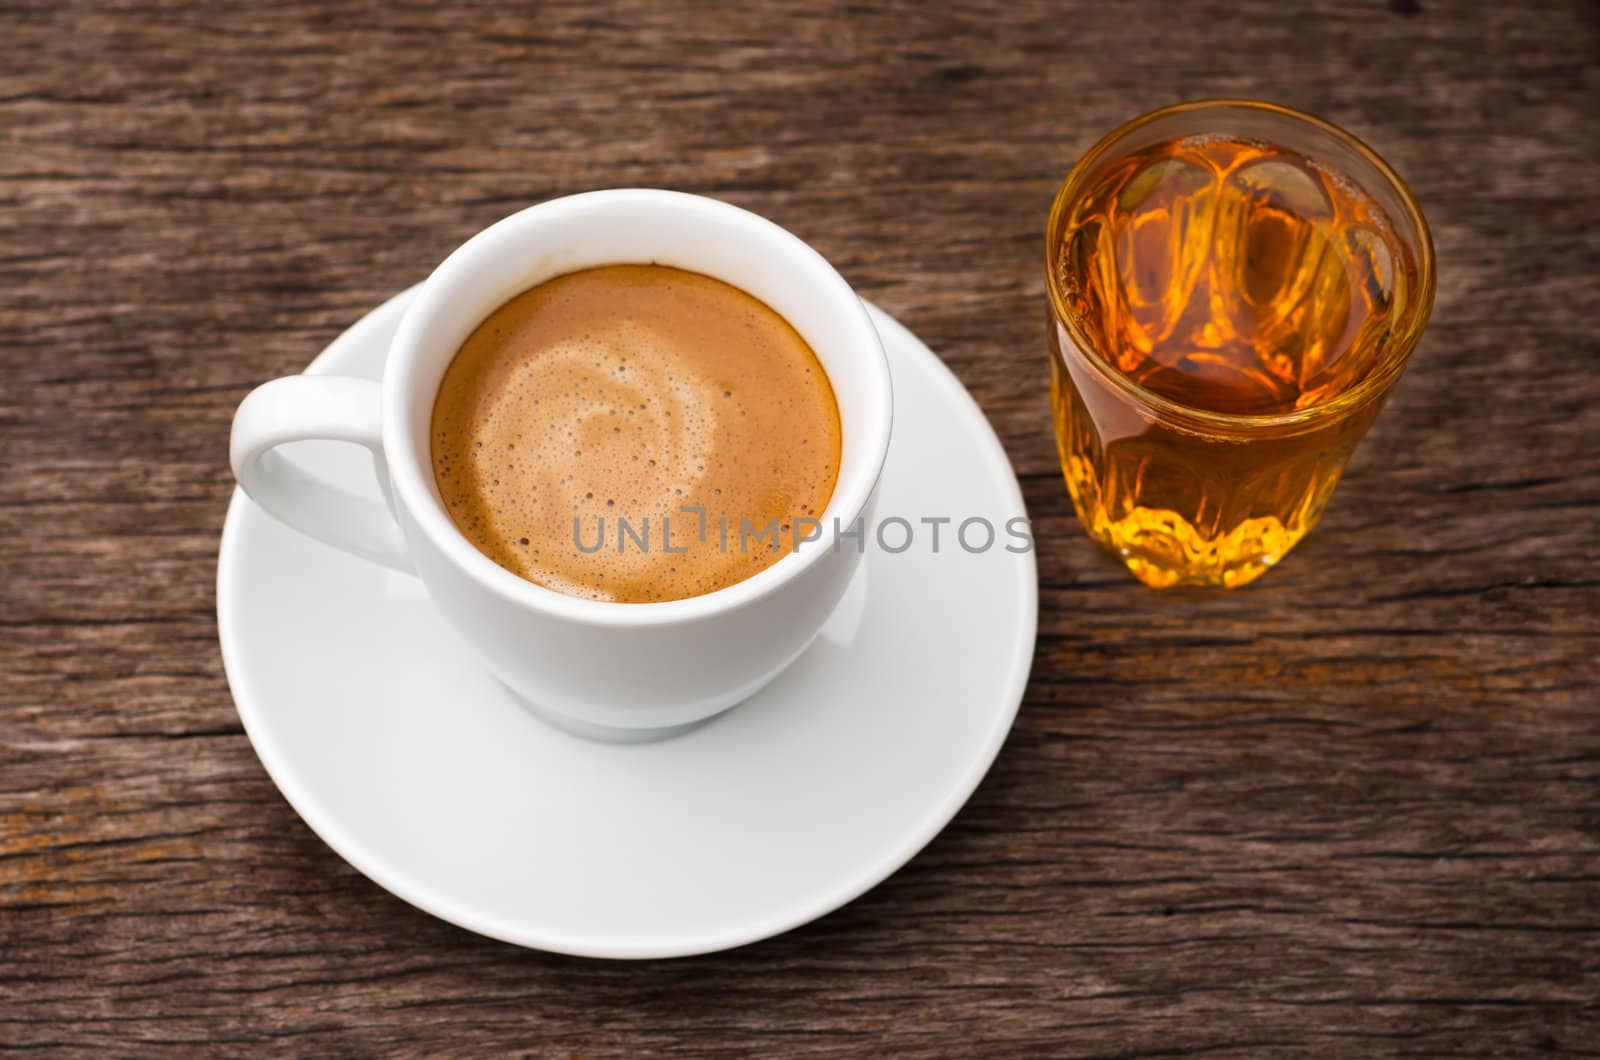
[(577, 424)]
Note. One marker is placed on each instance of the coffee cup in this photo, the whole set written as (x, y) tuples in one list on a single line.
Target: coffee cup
[(602, 669)]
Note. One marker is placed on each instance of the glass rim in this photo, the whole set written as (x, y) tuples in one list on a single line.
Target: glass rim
[(1371, 385)]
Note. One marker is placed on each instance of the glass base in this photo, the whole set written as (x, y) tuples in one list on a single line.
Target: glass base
[(1162, 549)]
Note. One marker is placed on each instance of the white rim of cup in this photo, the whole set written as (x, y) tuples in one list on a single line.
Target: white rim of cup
[(412, 487)]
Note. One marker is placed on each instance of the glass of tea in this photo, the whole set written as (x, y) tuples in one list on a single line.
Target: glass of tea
[(1235, 288)]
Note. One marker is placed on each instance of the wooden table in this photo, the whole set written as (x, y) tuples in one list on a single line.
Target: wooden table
[(1353, 809)]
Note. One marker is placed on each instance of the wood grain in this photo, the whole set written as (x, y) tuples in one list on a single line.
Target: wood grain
[(1352, 810)]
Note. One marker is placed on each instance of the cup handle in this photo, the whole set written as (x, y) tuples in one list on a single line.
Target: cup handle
[(301, 408)]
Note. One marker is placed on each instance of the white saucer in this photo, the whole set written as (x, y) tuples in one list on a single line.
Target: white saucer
[(422, 771)]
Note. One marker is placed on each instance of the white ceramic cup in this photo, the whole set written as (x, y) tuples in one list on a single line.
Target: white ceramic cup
[(602, 669)]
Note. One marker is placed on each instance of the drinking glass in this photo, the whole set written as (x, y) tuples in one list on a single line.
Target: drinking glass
[(1204, 264)]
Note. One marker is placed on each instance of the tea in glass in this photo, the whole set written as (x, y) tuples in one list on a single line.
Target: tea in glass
[(1235, 290)]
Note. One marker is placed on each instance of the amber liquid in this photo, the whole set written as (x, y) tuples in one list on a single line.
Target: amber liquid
[(1227, 277)]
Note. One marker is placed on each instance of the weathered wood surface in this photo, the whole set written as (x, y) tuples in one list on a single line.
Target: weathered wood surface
[(1351, 810)]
